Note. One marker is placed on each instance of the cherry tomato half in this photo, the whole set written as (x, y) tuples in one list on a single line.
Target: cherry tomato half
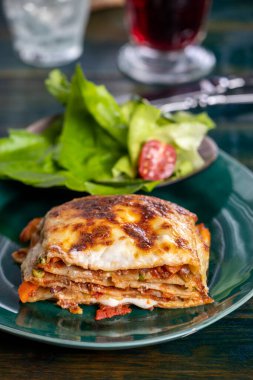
[(157, 160)]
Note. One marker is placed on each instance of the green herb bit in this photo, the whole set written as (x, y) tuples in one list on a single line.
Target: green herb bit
[(42, 260), (38, 273), (141, 277)]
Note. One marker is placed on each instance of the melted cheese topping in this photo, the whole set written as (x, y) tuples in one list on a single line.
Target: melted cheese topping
[(121, 232), (122, 255)]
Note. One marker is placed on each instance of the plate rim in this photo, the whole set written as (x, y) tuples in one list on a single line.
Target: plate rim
[(128, 345), (197, 326)]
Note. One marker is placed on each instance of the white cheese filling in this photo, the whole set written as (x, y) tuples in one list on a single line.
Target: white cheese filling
[(142, 303)]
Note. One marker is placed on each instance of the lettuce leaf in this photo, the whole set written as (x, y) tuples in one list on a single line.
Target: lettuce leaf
[(58, 86), (183, 130), (141, 129), (128, 108), (85, 149), (123, 166), (32, 175), (183, 116), (28, 158), (100, 189), (95, 145), (22, 143), (186, 130), (103, 107), (77, 138)]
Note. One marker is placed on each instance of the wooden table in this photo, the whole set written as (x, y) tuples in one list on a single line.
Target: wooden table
[(223, 350)]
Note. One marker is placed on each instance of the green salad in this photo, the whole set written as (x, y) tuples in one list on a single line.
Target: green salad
[(102, 147)]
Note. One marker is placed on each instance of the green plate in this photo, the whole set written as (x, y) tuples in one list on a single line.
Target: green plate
[(221, 196)]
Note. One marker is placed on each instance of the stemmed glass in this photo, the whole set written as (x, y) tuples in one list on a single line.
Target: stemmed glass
[(165, 37)]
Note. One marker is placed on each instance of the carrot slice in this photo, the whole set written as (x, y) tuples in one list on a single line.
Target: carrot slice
[(26, 290), (76, 310)]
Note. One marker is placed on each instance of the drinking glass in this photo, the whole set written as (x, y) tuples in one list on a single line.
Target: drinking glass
[(47, 32), (165, 41)]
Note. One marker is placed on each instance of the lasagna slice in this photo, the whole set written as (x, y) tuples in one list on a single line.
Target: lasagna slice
[(115, 251)]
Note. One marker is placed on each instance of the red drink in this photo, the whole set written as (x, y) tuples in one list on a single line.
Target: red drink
[(167, 25), (166, 36)]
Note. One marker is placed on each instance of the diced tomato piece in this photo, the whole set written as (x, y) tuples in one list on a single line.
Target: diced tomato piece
[(54, 260), (97, 294), (154, 273), (174, 269), (108, 312), (157, 160)]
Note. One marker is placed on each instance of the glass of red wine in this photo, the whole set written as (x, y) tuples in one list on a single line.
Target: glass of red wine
[(165, 37)]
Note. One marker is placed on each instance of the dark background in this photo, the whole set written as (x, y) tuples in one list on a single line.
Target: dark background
[(223, 350)]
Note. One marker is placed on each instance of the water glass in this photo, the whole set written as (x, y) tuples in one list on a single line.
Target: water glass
[(47, 32)]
